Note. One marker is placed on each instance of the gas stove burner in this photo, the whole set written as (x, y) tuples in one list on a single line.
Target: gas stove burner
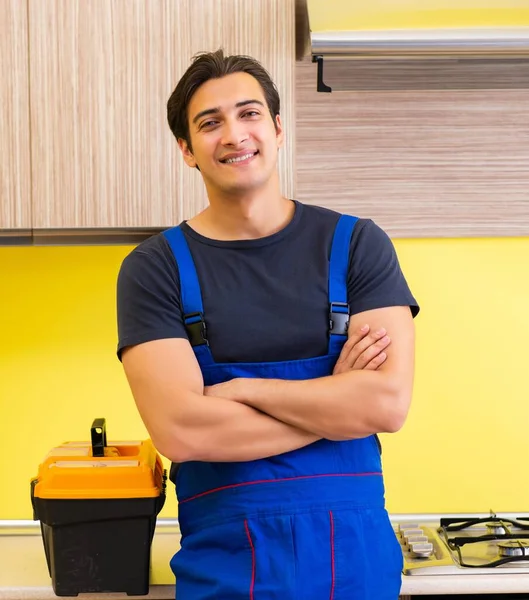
[(497, 528), (513, 548), (485, 545)]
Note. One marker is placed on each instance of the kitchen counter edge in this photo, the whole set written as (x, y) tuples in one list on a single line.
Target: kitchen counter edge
[(36, 585)]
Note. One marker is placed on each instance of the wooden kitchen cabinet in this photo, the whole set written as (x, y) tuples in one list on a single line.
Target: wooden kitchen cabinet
[(99, 78), (15, 200), (101, 72)]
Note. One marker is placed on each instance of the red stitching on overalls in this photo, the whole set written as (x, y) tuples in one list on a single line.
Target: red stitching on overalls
[(332, 554), (252, 583), (236, 485)]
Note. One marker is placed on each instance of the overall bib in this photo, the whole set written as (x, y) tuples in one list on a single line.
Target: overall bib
[(308, 524)]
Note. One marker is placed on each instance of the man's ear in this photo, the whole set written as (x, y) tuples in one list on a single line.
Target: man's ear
[(280, 136), (186, 153)]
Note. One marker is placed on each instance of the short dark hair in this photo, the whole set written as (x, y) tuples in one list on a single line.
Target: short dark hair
[(213, 65)]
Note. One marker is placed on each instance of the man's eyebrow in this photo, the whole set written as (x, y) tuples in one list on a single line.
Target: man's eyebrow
[(208, 111), (216, 110), (245, 102)]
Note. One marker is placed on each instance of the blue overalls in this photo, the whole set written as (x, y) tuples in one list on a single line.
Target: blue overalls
[(308, 524)]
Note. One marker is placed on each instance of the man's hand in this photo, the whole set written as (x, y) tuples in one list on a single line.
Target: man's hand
[(363, 350)]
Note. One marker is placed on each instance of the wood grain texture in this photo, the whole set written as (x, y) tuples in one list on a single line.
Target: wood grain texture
[(101, 153), (15, 199), (420, 163), (263, 29), (101, 74)]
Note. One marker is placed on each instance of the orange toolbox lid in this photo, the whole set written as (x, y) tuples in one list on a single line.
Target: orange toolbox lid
[(95, 470)]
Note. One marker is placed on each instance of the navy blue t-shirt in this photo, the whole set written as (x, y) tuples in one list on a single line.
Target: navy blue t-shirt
[(264, 300)]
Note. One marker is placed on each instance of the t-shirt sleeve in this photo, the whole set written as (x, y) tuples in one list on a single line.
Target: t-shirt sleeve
[(148, 296), (375, 278)]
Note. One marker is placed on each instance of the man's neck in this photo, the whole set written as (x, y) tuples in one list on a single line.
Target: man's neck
[(253, 216)]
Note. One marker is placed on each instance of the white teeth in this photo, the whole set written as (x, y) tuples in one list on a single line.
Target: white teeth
[(239, 158)]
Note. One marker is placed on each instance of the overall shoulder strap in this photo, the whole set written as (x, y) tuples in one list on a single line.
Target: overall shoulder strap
[(190, 294), (338, 266)]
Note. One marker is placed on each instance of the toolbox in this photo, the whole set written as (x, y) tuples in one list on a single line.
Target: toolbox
[(97, 504)]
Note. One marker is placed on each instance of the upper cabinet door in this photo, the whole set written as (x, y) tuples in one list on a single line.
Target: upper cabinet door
[(102, 153), (101, 72), (15, 199)]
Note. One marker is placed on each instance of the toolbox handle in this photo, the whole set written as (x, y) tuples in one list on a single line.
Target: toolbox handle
[(98, 433)]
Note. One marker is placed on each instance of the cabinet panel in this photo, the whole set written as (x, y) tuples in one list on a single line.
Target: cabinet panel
[(452, 163), (102, 152), (15, 203), (101, 72)]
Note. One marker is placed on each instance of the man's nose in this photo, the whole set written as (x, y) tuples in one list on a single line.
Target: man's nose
[(234, 133)]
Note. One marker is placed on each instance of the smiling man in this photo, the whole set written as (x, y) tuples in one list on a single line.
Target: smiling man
[(266, 343)]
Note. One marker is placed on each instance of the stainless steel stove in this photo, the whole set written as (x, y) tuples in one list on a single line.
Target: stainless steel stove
[(465, 545)]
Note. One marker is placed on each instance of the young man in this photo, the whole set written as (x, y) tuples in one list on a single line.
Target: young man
[(256, 341)]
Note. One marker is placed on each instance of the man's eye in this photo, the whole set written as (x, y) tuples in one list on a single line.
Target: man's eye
[(208, 124), (250, 113)]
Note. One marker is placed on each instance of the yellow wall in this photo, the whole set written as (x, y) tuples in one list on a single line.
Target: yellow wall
[(344, 15), (465, 445)]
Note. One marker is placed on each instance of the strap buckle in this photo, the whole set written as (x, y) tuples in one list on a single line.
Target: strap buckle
[(196, 329), (338, 318)]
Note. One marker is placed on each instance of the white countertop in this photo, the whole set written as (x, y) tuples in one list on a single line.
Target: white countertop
[(24, 574)]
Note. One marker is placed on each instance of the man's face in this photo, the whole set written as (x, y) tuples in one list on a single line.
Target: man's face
[(233, 136)]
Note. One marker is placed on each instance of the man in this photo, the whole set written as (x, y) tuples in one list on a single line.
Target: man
[(256, 341)]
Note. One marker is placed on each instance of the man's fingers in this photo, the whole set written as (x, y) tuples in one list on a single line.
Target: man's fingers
[(352, 340), (358, 342), (373, 338), (376, 362), (371, 352), (359, 359), (369, 364)]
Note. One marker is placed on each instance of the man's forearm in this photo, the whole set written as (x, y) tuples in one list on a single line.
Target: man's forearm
[(221, 430), (349, 405)]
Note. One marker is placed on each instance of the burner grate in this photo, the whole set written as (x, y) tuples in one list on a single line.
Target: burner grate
[(458, 524), (500, 530), (494, 563), (462, 541)]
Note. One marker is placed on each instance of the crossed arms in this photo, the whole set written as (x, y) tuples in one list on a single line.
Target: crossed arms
[(247, 419)]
